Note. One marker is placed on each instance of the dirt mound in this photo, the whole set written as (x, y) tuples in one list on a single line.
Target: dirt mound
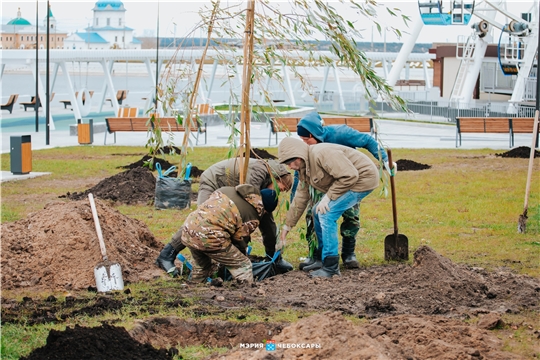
[(172, 331), (133, 186), (330, 336), (103, 342), (140, 163), (261, 154), (523, 152), (378, 291), (409, 165), (57, 248)]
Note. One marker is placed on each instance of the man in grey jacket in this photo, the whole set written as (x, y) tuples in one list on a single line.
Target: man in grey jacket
[(261, 175), (345, 175)]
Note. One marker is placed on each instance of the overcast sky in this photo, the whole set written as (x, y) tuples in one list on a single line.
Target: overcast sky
[(177, 18)]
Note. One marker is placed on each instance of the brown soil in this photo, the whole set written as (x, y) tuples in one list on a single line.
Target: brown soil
[(410, 165), (399, 337), (57, 248), (523, 152), (137, 185), (257, 153), (103, 342)]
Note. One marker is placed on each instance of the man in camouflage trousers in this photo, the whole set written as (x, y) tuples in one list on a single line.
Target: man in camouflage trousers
[(214, 233), (261, 175)]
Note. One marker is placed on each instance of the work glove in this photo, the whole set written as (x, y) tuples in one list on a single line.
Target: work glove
[(323, 207), (280, 244), (392, 171)]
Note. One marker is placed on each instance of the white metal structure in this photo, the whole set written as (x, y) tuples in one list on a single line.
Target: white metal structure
[(107, 58), (519, 53)]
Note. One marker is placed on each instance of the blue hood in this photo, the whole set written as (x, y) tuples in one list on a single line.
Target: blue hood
[(312, 122)]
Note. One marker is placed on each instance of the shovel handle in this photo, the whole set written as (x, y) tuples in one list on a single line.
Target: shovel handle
[(393, 187), (98, 227)]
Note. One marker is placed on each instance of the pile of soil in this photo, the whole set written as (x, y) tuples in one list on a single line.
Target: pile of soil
[(102, 342), (134, 186), (523, 152), (409, 165), (195, 171), (57, 248), (400, 337)]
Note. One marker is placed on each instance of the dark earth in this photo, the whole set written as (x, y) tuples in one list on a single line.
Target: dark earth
[(523, 152), (395, 323)]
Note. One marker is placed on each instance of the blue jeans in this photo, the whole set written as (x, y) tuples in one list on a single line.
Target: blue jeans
[(326, 224)]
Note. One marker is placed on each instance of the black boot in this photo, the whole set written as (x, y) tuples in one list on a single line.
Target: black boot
[(330, 268), (315, 263), (347, 253), (283, 265), (166, 259)]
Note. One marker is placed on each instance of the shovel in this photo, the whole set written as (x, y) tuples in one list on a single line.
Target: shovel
[(396, 246), (522, 220), (108, 274)]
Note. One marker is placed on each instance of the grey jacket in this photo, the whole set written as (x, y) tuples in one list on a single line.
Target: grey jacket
[(330, 168)]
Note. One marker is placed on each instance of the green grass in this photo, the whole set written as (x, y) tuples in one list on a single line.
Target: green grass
[(466, 207)]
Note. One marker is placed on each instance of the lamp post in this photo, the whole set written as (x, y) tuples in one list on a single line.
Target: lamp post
[(36, 106), (47, 79), (157, 61)]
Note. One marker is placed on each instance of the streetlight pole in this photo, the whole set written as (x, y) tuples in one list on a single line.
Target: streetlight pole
[(47, 77), (157, 61), (36, 106)]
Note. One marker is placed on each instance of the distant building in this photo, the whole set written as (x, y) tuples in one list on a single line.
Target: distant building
[(108, 30), (19, 33)]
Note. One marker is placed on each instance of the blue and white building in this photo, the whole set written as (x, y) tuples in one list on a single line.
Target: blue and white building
[(108, 30)]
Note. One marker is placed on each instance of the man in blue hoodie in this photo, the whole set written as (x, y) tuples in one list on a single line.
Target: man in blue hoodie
[(311, 130)]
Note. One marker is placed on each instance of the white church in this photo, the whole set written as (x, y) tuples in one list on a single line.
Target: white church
[(108, 30)]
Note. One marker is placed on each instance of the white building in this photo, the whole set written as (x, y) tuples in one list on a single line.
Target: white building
[(108, 30)]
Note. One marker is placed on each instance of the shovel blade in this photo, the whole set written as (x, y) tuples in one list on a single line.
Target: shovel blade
[(108, 277), (396, 248)]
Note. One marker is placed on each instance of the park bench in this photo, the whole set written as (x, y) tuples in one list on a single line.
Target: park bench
[(493, 125), (140, 124), (32, 102), (11, 101), (121, 95), (68, 102), (289, 124)]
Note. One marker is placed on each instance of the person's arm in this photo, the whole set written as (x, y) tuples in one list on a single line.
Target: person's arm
[(355, 139)]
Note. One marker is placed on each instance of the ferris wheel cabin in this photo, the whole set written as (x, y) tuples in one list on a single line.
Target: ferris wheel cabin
[(453, 12)]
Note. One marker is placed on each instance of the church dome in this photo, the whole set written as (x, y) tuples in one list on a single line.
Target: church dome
[(19, 20), (109, 5)]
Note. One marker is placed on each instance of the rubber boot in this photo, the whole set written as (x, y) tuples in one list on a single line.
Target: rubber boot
[(283, 265), (316, 264), (329, 269), (347, 253), (166, 259)]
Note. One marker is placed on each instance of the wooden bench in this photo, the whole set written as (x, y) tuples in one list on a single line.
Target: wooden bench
[(11, 101), (68, 102), (32, 102), (493, 125), (140, 124), (289, 124), (121, 95)]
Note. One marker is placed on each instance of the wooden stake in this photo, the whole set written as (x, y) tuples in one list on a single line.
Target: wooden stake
[(245, 112)]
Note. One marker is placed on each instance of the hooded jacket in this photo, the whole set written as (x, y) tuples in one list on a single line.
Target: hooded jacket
[(227, 173), (341, 134), (330, 168), (230, 214)]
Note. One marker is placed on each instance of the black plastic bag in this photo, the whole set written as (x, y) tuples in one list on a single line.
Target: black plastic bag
[(171, 192), (265, 269)]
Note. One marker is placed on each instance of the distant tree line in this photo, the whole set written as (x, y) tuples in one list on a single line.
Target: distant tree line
[(171, 42)]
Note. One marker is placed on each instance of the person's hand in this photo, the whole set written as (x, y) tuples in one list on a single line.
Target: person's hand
[(392, 171), (323, 207), (280, 244)]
